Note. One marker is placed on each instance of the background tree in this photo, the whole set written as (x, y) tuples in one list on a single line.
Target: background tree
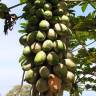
[(15, 91)]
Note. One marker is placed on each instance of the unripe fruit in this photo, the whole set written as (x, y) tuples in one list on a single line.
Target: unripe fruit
[(42, 85), (28, 75), (60, 28), (40, 36), (65, 19), (27, 51), (70, 76), (23, 40), (51, 34), (44, 25), (59, 46), (44, 72), (60, 70), (36, 47), (70, 64), (47, 15), (31, 38), (47, 6), (26, 67), (47, 45), (40, 58), (52, 58), (39, 3)]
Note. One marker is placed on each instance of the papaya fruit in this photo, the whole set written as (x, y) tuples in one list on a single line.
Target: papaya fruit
[(30, 38), (52, 35), (69, 55), (59, 45), (47, 15), (40, 58), (39, 3), (36, 47), (44, 25), (33, 20), (26, 67), (40, 36), (70, 64), (58, 12), (60, 70), (70, 77), (61, 28), (65, 19), (31, 76), (44, 72), (47, 6), (47, 45), (52, 58), (26, 51), (42, 85), (23, 40), (39, 13)]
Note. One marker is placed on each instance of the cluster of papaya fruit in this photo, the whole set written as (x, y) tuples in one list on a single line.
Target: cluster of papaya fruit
[(48, 65)]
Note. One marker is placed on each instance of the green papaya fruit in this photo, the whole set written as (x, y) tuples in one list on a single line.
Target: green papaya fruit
[(48, 15), (39, 3), (44, 72), (52, 35), (26, 51), (52, 58), (47, 6), (58, 12), (31, 38), (42, 85), (44, 25), (36, 47), (70, 64), (60, 70), (61, 28), (65, 19), (59, 45), (26, 67), (47, 45), (39, 13), (23, 40), (40, 58), (70, 77), (33, 20), (40, 36), (31, 76)]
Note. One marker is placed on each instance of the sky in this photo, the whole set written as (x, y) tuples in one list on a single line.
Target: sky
[(10, 51)]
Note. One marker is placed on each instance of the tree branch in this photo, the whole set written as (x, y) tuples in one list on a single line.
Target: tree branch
[(85, 46), (16, 5)]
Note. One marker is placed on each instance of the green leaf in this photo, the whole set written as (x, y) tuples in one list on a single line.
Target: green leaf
[(22, 1), (84, 6), (93, 4)]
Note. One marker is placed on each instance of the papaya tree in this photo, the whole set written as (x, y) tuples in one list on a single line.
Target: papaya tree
[(50, 34)]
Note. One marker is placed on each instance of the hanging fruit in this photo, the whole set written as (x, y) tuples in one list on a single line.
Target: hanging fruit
[(51, 67)]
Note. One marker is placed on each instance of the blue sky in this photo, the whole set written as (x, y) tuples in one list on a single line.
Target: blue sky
[(10, 51)]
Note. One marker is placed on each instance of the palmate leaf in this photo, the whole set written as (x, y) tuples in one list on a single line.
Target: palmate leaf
[(22, 1), (84, 6)]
